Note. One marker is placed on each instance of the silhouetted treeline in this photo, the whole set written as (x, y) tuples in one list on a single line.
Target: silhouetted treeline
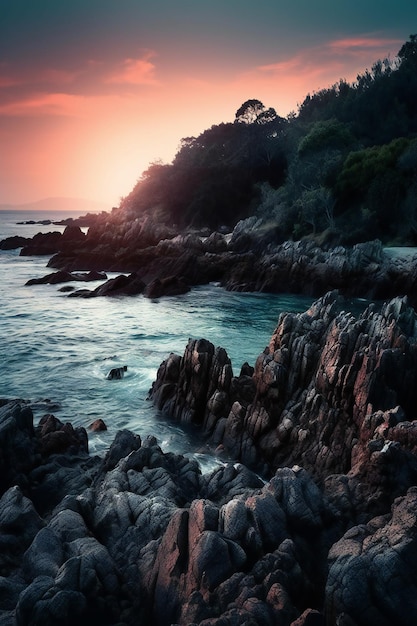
[(343, 169)]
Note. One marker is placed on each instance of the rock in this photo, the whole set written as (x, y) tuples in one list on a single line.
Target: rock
[(56, 437), (117, 373), (170, 286), (62, 277), (51, 243), (328, 387), (97, 426), (17, 444), (202, 371), (327, 533), (11, 243), (19, 524), (372, 573), (121, 285)]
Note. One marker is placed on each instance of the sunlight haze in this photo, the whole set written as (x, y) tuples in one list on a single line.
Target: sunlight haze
[(92, 93)]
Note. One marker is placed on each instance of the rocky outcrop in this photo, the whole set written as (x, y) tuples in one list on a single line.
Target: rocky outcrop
[(56, 278), (252, 258), (372, 575), (143, 537), (130, 285), (14, 242), (331, 389), (51, 243), (326, 536)]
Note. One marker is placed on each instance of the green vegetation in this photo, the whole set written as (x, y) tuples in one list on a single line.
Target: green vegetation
[(343, 168)]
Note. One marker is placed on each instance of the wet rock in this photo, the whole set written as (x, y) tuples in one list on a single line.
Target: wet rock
[(325, 535), (372, 573), (117, 373), (330, 389), (50, 243), (97, 426), (11, 243), (17, 444), (120, 286), (170, 286), (63, 277), (56, 437), (19, 524)]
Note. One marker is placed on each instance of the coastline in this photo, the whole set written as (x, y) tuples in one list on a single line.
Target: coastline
[(165, 543)]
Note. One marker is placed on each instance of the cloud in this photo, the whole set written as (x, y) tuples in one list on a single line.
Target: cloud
[(333, 55), (286, 82), (364, 43), (50, 104), (134, 72)]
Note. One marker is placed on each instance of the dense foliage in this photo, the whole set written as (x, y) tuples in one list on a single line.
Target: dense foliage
[(343, 168)]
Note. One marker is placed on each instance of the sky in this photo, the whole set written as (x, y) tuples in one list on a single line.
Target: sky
[(93, 91)]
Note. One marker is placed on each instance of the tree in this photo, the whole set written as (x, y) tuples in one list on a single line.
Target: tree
[(249, 112), (408, 52)]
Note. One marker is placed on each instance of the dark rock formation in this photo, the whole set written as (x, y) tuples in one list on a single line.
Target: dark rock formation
[(141, 536), (117, 373), (170, 286), (252, 258), (51, 243), (255, 259), (331, 389), (61, 276), (122, 285), (97, 426), (372, 576), (11, 243)]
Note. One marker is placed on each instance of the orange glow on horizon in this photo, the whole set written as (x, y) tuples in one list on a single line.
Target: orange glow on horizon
[(94, 139)]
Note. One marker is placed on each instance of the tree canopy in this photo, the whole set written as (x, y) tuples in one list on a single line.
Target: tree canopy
[(345, 162)]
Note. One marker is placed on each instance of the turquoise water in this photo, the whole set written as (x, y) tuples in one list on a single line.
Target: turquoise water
[(59, 348)]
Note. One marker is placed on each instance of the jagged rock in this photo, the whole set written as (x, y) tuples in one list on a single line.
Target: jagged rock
[(17, 445), (142, 536), (11, 243), (202, 371), (121, 285), (19, 524), (97, 426), (56, 437), (51, 243), (170, 286), (372, 576), (327, 389), (63, 277), (117, 373)]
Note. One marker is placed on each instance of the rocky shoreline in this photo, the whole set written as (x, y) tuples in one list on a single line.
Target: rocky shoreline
[(157, 260), (311, 520)]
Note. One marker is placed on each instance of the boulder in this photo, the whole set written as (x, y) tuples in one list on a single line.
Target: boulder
[(170, 286), (116, 373), (372, 575)]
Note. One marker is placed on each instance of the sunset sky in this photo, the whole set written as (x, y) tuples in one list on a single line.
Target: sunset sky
[(93, 91)]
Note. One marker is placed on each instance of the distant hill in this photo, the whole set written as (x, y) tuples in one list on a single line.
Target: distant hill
[(60, 204)]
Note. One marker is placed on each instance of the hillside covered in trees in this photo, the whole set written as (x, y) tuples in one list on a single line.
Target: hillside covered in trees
[(343, 169)]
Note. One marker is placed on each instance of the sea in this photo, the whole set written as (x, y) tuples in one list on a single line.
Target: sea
[(56, 351)]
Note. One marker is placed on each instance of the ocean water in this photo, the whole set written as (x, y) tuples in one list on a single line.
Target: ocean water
[(61, 349)]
